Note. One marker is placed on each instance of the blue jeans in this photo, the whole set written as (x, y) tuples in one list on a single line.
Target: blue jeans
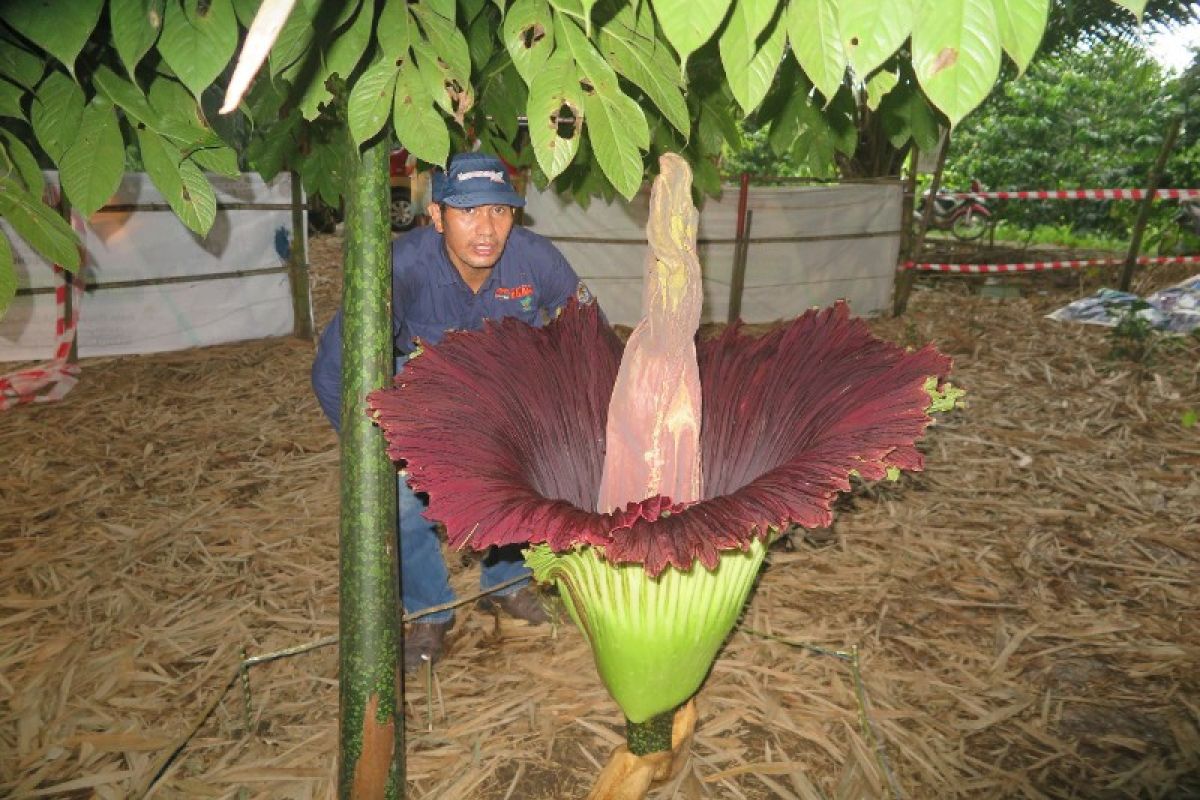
[(424, 579)]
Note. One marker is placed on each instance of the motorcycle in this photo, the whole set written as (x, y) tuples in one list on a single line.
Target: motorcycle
[(967, 217)]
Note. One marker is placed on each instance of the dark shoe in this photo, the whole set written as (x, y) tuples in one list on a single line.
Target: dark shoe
[(424, 643), (525, 603)]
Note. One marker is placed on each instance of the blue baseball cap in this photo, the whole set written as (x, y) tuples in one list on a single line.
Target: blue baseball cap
[(475, 179)]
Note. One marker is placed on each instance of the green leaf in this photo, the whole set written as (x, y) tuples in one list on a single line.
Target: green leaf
[(394, 30), (8, 275), (294, 40), (879, 85), (1188, 418), (593, 69), (687, 24), (341, 57), (39, 225), (135, 27), (25, 162), (182, 184), (1135, 7), (554, 86), (616, 127), (246, 10), (873, 29), (198, 46), (1021, 25), (444, 8), (816, 39), (370, 102), (749, 68), (481, 41), (10, 100), (55, 113), (450, 90), (269, 152), (419, 127), (529, 36), (19, 65), (92, 166), (60, 32), (647, 65), (446, 39), (126, 95), (956, 54)]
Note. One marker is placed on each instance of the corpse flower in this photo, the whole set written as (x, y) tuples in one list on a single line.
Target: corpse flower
[(651, 482)]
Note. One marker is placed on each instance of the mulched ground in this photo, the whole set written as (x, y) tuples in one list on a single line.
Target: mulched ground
[(1020, 620)]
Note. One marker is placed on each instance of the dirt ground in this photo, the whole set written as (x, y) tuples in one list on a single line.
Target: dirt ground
[(1019, 620)]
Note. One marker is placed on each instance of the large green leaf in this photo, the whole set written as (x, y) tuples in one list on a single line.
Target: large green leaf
[(647, 64), (55, 114), (872, 30), (1021, 25), (616, 128), (10, 100), (449, 89), (182, 184), (447, 40), (198, 40), (92, 167), (1135, 7), (19, 65), (751, 68), (880, 84), (25, 162), (593, 69), (393, 30), (8, 275), (555, 87), (956, 53), (126, 95), (419, 127), (39, 225), (370, 102), (135, 27), (816, 40), (59, 31), (273, 148), (179, 118), (687, 24), (341, 57), (529, 36), (295, 38)]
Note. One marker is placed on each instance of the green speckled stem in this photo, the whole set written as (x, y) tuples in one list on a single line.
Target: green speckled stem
[(371, 745), (651, 736)]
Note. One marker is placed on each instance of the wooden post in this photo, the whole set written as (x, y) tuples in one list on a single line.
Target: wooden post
[(1139, 225), (64, 210), (302, 313), (737, 280), (904, 282), (371, 720)]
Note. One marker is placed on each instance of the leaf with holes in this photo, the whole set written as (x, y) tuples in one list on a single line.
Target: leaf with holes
[(555, 87), (198, 44), (749, 67), (182, 184), (616, 128), (60, 32), (529, 36), (1021, 25), (394, 30), (593, 69), (816, 40), (687, 24), (25, 162), (419, 127), (450, 90), (135, 27), (956, 54), (39, 225), (872, 30), (92, 166), (55, 114), (370, 101)]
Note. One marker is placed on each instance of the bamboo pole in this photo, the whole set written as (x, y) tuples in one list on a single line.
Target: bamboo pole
[(302, 312), (371, 721), (741, 247), (1139, 225), (905, 282)]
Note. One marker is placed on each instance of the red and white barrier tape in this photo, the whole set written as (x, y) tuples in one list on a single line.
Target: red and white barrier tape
[(51, 380), (1083, 194), (1038, 266)]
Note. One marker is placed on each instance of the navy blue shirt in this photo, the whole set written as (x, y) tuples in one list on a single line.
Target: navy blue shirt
[(531, 282)]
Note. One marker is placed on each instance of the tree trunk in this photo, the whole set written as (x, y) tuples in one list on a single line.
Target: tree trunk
[(371, 722)]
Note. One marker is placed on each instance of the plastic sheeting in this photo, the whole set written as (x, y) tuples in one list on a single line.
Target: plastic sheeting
[(796, 258), (153, 285)]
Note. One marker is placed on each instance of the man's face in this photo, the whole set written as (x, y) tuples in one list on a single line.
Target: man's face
[(475, 237)]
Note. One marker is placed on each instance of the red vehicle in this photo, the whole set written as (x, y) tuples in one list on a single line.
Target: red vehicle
[(967, 217), (402, 170)]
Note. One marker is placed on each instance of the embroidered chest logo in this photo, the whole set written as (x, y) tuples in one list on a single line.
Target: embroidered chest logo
[(525, 290)]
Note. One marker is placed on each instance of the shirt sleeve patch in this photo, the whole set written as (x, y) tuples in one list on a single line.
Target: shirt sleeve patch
[(583, 294)]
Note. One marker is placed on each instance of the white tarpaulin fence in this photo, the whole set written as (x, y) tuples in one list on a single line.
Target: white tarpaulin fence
[(808, 246), (153, 285)]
